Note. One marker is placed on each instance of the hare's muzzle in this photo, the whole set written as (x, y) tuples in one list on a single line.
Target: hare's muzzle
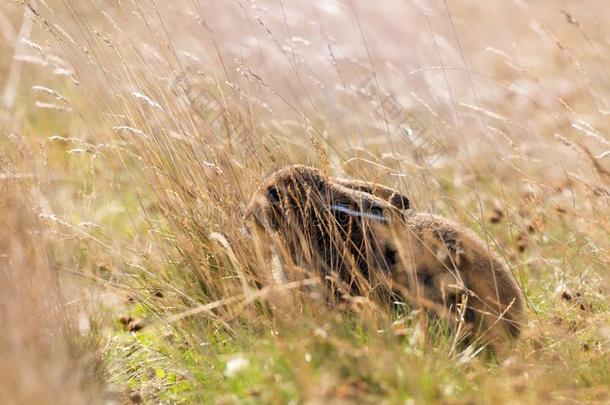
[(260, 214)]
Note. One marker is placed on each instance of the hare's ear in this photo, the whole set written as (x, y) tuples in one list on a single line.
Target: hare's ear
[(392, 196), (400, 201)]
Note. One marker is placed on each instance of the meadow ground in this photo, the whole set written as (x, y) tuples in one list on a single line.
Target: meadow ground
[(133, 133)]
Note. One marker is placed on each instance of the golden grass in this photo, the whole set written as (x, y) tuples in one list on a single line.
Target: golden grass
[(134, 133)]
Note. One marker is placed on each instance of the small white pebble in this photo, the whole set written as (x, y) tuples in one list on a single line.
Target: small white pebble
[(235, 365)]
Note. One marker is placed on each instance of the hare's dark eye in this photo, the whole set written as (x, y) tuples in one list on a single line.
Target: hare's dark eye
[(377, 211), (342, 217), (341, 212), (273, 195)]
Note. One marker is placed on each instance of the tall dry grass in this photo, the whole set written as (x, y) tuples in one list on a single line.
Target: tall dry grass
[(50, 353), (149, 125)]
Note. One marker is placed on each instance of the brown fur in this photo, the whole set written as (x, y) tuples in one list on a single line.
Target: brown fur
[(364, 237)]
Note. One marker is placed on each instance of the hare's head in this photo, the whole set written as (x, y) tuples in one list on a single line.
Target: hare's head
[(323, 223)]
